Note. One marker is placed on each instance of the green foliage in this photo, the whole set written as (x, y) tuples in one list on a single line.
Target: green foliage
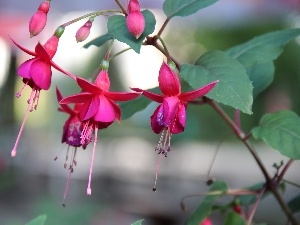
[(257, 56), (40, 220), (281, 131), (294, 204), (185, 7), (99, 41), (245, 200), (131, 107), (234, 219), (116, 26), (234, 87), (204, 209), (139, 222)]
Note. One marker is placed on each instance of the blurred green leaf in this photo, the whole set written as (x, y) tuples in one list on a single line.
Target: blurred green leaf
[(234, 219), (116, 26), (281, 131), (257, 56), (99, 41), (204, 209), (245, 200), (40, 220), (234, 87), (139, 222), (131, 107), (185, 7), (294, 204)]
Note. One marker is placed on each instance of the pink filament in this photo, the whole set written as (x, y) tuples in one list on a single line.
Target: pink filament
[(156, 171), (89, 190)]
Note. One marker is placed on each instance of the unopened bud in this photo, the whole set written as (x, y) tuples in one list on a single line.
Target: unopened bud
[(84, 31), (133, 5), (135, 22), (39, 19)]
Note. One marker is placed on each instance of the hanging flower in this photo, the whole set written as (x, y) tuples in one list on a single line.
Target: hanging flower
[(98, 109), (36, 73), (170, 116)]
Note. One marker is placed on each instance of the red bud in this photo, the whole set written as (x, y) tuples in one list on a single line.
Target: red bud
[(135, 22), (84, 31), (39, 19)]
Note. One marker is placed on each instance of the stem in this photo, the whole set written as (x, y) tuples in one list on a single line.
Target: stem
[(122, 7), (117, 54), (291, 183), (163, 27), (109, 49), (270, 185), (255, 206), (284, 170), (165, 47), (98, 13)]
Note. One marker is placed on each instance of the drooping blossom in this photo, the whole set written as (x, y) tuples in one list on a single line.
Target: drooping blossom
[(37, 73), (98, 109), (39, 19), (170, 116), (84, 31), (135, 20), (71, 135)]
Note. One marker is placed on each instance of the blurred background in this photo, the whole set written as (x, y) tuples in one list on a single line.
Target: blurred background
[(33, 183)]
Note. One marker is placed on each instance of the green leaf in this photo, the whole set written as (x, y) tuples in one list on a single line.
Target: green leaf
[(234, 219), (246, 200), (204, 209), (40, 220), (139, 222), (99, 41), (131, 107), (294, 204), (281, 131), (234, 87), (185, 7), (116, 26), (257, 56)]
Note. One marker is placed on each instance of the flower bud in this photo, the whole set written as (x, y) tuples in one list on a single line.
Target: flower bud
[(207, 221), (133, 5), (39, 19), (135, 22), (84, 31)]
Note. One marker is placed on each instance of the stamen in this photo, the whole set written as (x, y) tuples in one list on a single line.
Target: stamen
[(89, 190), (156, 172), (19, 93), (14, 151), (86, 133)]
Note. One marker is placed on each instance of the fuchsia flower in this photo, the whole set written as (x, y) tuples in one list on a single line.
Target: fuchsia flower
[(71, 134), (39, 19), (170, 116), (207, 221), (135, 20), (98, 109), (36, 73)]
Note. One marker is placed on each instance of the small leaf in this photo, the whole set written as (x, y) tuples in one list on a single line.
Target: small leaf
[(116, 26), (257, 56), (40, 220), (281, 131), (234, 87), (234, 219), (294, 204), (204, 209), (129, 108), (185, 7), (139, 222), (99, 41)]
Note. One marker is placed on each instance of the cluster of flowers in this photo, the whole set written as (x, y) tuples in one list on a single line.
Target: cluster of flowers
[(95, 106)]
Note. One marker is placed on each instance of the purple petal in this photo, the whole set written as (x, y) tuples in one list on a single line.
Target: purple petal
[(170, 106), (156, 125), (24, 68), (179, 122), (41, 73), (192, 95)]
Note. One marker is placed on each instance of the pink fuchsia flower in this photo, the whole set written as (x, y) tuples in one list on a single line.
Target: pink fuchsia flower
[(170, 116), (98, 109), (71, 135), (84, 31), (135, 20), (39, 19), (36, 73)]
